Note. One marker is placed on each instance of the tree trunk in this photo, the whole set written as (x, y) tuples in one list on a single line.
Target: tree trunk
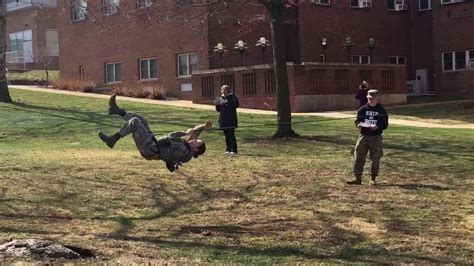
[(281, 73), (4, 92)]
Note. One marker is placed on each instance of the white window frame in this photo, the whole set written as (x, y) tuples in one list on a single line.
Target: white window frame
[(26, 54), (111, 7), (360, 59), (362, 4), (78, 10), (398, 5), (321, 2), (447, 2), (424, 9), (469, 61), (115, 81), (148, 68), (188, 66), (397, 59)]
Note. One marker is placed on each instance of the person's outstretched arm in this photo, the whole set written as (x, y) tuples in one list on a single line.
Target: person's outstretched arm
[(194, 132)]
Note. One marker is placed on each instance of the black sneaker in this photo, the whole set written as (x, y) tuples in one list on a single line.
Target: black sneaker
[(171, 167), (357, 181)]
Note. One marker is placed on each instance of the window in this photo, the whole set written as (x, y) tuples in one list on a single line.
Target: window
[(144, 3), (321, 2), (17, 4), (52, 45), (451, 1), (361, 3), (361, 59), (187, 63), (424, 5), (111, 6), (398, 60), (458, 60), (113, 72), (78, 10), (148, 69), (21, 46)]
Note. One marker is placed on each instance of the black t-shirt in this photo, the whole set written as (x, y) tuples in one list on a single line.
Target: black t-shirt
[(368, 115)]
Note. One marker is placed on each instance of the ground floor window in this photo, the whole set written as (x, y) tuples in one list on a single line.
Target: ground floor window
[(21, 47), (398, 60), (187, 63), (148, 69), (113, 72), (361, 59), (458, 60)]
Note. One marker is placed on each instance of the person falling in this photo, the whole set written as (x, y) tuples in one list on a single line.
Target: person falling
[(174, 149)]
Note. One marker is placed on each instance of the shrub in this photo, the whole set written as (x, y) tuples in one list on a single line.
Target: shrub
[(74, 85), (137, 90)]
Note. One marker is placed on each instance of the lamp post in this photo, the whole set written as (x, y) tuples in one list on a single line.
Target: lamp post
[(324, 45), (240, 46), (371, 47), (220, 50), (348, 44), (263, 43)]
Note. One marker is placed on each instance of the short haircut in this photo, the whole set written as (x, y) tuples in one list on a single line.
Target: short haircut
[(201, 149)]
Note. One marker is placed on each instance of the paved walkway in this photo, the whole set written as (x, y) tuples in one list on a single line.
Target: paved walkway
[(190, 104)]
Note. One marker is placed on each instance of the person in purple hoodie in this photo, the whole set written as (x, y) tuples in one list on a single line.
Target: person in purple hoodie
[(361, 94)]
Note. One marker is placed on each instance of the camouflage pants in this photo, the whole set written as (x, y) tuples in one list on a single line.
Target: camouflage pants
[(142, 135), (365, 144)]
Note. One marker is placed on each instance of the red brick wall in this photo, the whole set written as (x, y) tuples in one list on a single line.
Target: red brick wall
[(453, 27), (337, 21), (37, 20), (303, 80), (126, 38)]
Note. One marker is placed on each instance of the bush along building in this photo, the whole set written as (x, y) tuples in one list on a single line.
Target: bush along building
[(400, 46), (32, 35)]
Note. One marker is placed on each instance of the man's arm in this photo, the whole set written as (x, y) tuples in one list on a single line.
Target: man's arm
[(194, 132)]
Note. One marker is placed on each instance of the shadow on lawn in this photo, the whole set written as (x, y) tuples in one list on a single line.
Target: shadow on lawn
[(414, 186)]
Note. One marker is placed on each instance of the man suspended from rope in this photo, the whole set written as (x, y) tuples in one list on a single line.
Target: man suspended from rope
[(173, 149)]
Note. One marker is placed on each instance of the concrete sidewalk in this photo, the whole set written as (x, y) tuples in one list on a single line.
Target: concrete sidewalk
[(191, 105)]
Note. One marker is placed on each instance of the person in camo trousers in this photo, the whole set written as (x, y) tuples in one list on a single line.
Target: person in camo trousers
[(372, 120), (173, 149)]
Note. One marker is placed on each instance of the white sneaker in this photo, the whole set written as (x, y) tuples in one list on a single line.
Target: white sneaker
[(232, 153), (227, 152)]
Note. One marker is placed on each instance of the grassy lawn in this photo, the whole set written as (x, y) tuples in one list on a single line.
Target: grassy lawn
[(279, 201), (34, 75)]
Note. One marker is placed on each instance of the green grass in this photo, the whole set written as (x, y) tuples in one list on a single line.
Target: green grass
[(279, 201), (34, 75), (442, 113)]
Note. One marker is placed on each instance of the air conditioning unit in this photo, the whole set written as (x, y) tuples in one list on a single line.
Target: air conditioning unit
[(401, 7), (320, 2), (471, 64), (365, 3)]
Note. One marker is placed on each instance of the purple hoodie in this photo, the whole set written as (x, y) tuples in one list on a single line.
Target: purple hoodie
[(362, 97)]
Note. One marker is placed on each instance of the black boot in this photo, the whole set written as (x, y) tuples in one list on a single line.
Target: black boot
[(171, 167), (113, 107), (109, 140), (356, 181)]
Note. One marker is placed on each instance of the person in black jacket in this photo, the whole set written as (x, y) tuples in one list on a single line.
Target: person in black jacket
[(226, 105), (372, 120)]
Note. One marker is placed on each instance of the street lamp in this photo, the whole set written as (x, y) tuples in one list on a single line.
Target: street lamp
[(220, 50), (324, 45), (348, 44), (263, 43), (371, 47), (241, 47)]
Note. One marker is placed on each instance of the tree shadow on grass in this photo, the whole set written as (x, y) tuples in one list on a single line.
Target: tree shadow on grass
[(413, 186)]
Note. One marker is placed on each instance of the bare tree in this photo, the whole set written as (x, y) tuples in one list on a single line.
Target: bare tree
[(4, 92)]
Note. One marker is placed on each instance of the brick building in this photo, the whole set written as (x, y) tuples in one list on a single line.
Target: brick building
[(32, 35), (127, 41)]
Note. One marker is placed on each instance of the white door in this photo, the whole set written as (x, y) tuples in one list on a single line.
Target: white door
[(422, 80)]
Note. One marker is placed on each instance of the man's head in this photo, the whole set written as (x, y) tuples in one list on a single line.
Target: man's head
[(372, 97), (225, 89), (197, 146)]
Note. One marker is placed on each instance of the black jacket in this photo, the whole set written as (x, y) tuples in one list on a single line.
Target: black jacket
[(372, 115), (227, 111)]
